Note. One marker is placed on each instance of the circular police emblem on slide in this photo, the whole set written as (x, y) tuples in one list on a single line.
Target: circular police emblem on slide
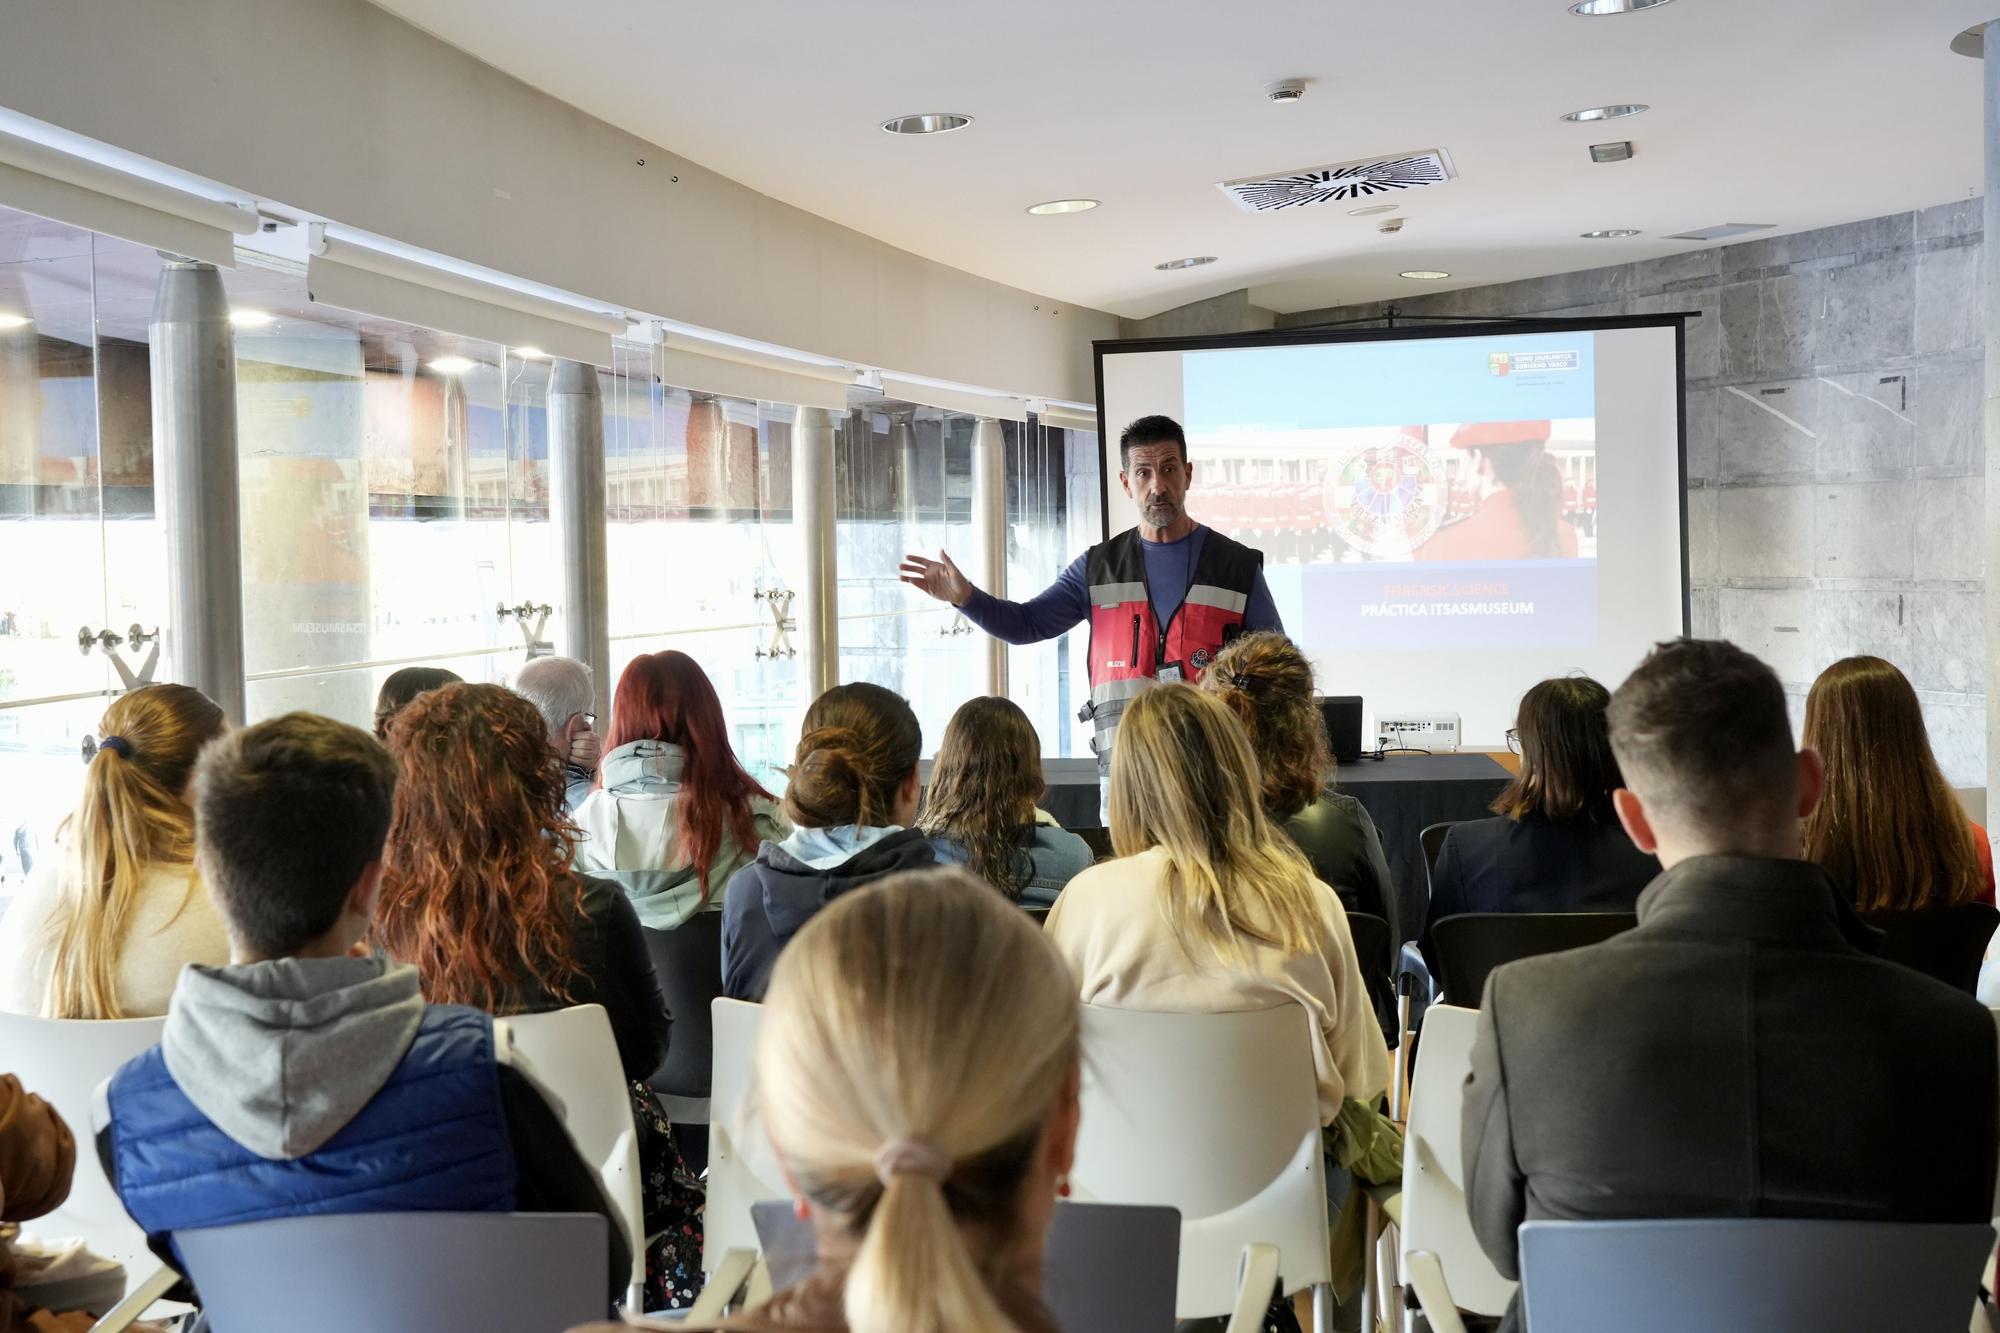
[(1384, 500), (1200, 658)]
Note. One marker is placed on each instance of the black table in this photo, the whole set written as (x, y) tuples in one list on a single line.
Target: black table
[(1403, 793)]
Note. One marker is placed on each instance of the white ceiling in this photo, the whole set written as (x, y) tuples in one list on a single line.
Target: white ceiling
[(1801, 113)]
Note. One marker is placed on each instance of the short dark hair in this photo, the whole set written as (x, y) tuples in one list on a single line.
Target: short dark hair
[(1150, 430), (287, 815), (1701, 727), (1567, 769)]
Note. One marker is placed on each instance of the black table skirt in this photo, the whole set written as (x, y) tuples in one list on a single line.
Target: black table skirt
[(1403, 793)]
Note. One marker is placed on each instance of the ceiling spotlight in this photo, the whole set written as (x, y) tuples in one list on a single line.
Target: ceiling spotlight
[(930, 122), (1591, 9), (453, 365), (1371, 210), (1192, 261), (10, 320), (250, 319), (1612, 152), (1615, 111), (1424, 274), (1285, 91), (1609, 234), (1055, 206), (531, 354)]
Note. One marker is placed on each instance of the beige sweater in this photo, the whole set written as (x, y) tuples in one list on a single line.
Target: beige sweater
[(174, 922), (1111, 927)]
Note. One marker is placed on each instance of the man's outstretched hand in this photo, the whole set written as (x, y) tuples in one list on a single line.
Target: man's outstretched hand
[(940, 578)]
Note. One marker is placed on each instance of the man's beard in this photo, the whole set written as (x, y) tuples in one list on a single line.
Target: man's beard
[(1161, 513)]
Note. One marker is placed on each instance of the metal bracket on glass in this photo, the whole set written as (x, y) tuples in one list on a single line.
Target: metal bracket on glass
[(959, 625), (108, 641), (779, 600), (532, 633)]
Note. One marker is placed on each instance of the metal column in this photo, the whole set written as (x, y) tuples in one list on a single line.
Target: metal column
[(813, 510), (903, 445), (1991, 75), (989, 534), (194, 452), (576, 505)]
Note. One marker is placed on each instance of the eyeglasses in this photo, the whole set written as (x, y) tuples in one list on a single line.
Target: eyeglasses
[(1513, 739)]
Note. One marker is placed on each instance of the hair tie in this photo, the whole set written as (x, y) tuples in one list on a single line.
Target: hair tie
[(1240, 679), (910, 1157), (118, 745)]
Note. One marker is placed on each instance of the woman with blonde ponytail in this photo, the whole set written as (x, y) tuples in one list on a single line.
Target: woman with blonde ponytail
[(917, 1074), (852, 803), (102, 929)]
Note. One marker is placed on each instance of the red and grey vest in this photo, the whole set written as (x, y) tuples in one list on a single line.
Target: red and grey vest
[(1129, 646)]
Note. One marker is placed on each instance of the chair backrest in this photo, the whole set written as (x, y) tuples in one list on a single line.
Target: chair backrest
[(1948, 943), (575, 1056), (1432, 840), (62, 1061), (401, 1272), (1038, 915), (1098, 840), (1751, 1275), (1471, 945), (1108, 1268), (1375, 950), (1434, 1209), (742, 1171), (688, 962), (1216, 1115)]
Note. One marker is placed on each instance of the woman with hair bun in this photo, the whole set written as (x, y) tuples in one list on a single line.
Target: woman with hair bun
[(103, 929), (851, 802)]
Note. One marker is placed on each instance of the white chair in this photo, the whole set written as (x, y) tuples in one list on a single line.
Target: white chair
[(1751, 1274), (1441, 1259), (62, 1061), (742, 1170), (1216, 1115), (575, 1056)]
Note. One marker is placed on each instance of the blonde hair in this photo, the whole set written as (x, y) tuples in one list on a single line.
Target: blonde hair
[(134, 815), (1184, 779), (1267, 683), (922, 1009)]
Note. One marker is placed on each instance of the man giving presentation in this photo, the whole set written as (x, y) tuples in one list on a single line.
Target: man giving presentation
[(1162, 597)]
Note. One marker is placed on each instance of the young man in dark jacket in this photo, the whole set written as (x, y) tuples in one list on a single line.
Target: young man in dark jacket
[(1737, 1054), (307, 1077)]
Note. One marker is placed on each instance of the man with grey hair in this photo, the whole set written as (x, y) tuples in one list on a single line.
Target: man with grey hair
[(560, 688)]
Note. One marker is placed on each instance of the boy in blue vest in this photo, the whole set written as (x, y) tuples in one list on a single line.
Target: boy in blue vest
[(307, 1077)]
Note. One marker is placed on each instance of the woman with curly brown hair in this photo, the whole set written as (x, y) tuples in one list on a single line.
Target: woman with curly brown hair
[(980, 809), (1268, 684)]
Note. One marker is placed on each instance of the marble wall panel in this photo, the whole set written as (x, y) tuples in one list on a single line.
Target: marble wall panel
[(1775, 624), (1945, 404), (1868, 313), (1864, 530), (1770, 326), (1865, 426), (1950, 520), (1770, 429), (1951, 300), (1765, 532)]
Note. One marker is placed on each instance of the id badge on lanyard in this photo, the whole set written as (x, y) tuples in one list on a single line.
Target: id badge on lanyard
[(1170, 672)]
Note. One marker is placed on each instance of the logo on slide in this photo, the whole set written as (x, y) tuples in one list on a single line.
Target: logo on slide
[(1385, 500), (1500, 363)]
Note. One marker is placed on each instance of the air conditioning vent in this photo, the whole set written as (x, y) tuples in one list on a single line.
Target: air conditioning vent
[(1340, 182)]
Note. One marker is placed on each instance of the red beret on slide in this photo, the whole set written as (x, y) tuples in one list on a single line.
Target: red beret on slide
[(1485, 434)]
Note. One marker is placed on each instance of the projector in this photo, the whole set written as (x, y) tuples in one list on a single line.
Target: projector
[(1418, 731)]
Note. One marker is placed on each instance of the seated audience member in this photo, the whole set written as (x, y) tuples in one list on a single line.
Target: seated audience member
[(479, 894), (37, 1158), (1743, 1056), (1888, 830), (980, 809), (477, 889), (1555, 844), (404, 685), (561, 690), (676, 815), (852, 799), (917, 1072), (102, 928), (1268, 683), (303, 1078)]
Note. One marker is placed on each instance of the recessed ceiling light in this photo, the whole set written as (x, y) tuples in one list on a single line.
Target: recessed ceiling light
[(250, 319), (1192, 261), (531, 354), (930, 122), (1371, 210), (453, 365), (1615, 111), (9, 320), (1609, 233), (1424, 274), (1591, 9), (1055, 206)]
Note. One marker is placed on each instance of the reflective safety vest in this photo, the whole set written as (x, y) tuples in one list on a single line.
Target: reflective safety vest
[(1129, 646)]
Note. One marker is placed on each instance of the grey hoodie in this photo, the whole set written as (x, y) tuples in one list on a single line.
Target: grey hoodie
[(282, 1054)]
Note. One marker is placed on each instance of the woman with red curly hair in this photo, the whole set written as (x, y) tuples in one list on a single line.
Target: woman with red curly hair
[(674, 814), (478, 894)]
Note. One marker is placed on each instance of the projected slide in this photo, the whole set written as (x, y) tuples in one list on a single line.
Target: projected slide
[(1447, 515), (1476, 525)]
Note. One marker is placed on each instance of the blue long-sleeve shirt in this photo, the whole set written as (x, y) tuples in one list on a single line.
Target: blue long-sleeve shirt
[(1066, 602)]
